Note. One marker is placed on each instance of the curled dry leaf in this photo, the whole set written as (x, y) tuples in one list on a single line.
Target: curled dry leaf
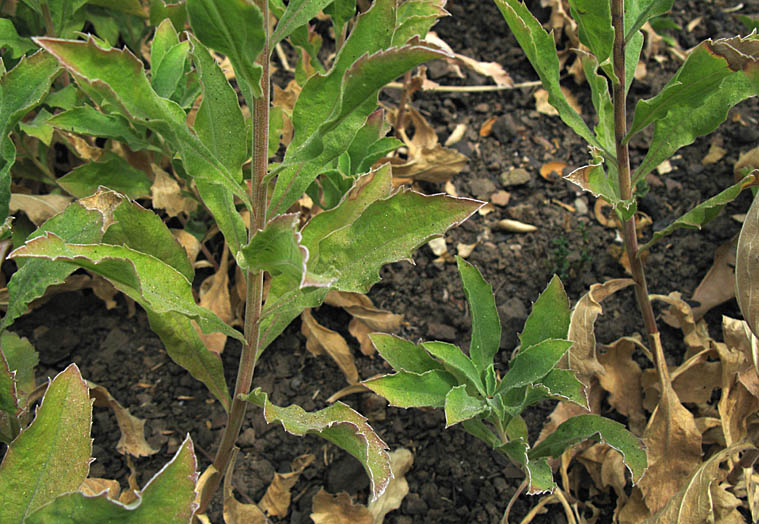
[(746, 163), (167, 194), (132, 440), (703, 498), (188, 241), (552, 171), (715, 153), (456, 136), (39, 207), (214, 295), (93, 486), (427, 159), (680, 316), (276, 500), (746, 270), (401, 461), (366, 317), (581, 357), (489, 69), (674, 450), (338, 509), (717, 286), (438, 246), (621, 379), (320, 340), (606, 467), (543, 106), (486, 128)]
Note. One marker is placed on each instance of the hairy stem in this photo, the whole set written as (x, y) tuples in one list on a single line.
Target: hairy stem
[(255, 280), (625, 188)]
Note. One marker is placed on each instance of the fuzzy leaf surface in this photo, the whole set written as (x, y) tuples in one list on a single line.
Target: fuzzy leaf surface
[(387, 231), (486, 326), (703, 213), (114, 173), (594, 28), (277, 250), (340, 425), (583, 427), (234, 28), (297, 14), (549, 318), (77, 225), (456, 363), (746, 277), (638, 12), (21, 89), (540, 49), (403, 355), (413, 390), (168, 497), (537, 469), (21, 359), (461, 406), (52, 455), (533, 363), (86, 120), (146, 279)]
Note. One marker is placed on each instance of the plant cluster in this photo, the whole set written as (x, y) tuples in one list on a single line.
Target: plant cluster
[(74, 76)]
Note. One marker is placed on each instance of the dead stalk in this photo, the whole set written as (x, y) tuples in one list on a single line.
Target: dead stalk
[(255, 281), (625, 189)]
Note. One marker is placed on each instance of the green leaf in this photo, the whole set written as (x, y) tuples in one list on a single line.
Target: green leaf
[(533, 363), (403, 355), (341, 11), (52, 455), (539, 474), (86, 120), (387, 231), (39, 127), (21, 358), (460, 406), (516, 429), (594, 179), (333, 120), (602, 103), (540, 49), (477, 428), (456, 363), (165, 76), (159, 10), (62, 15), (413, 390), (415, 18), (76, 224), (703, 213), (10, 39), (234, 28), (165, 38), (594, 427), (297, 14), (702, 76), (131, 225), (746, 278), (370, 143), (594, 29), (638, 12), (168, 498), (486, 326), (366, 190), (21, 89), (563, 384), (119, 77), (276, 249), (340, 425), (219, 122), (285, 302), (113, 172), (686, 120), (130, 7), (144, 278), (187, 349), (632, 56), (549, 318), (65, 98)]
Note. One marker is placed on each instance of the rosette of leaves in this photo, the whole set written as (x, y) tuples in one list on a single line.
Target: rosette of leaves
[(488, 406)]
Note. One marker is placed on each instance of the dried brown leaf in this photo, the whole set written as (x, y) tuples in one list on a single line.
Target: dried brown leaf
[(189, 242), (236, 512), (81, 147), (746, 163), (746, 274), (276, 500), (702, 498), (214, 295), (542, 105), (338, 509), (674, 450), (320, 340), (680, 316), (718, 283), (401, 461), (715, 153), (132, 440), (552, 171), (167, 194), (581, 357), (39, 207), (621, 378), (366, 317), (93, 486)]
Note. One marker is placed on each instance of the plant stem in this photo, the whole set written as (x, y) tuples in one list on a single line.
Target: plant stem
[(255, 280), (625, 188)]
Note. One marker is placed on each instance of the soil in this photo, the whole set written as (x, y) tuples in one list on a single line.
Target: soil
[(455, 478)]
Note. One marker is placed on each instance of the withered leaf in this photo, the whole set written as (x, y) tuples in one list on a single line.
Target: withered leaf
[(39, 207), (320, 340), (366, 317), (401, 461), (276, 500), (621, 378), (717, 286), (338, 509), (167, 194), (214, 295)]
